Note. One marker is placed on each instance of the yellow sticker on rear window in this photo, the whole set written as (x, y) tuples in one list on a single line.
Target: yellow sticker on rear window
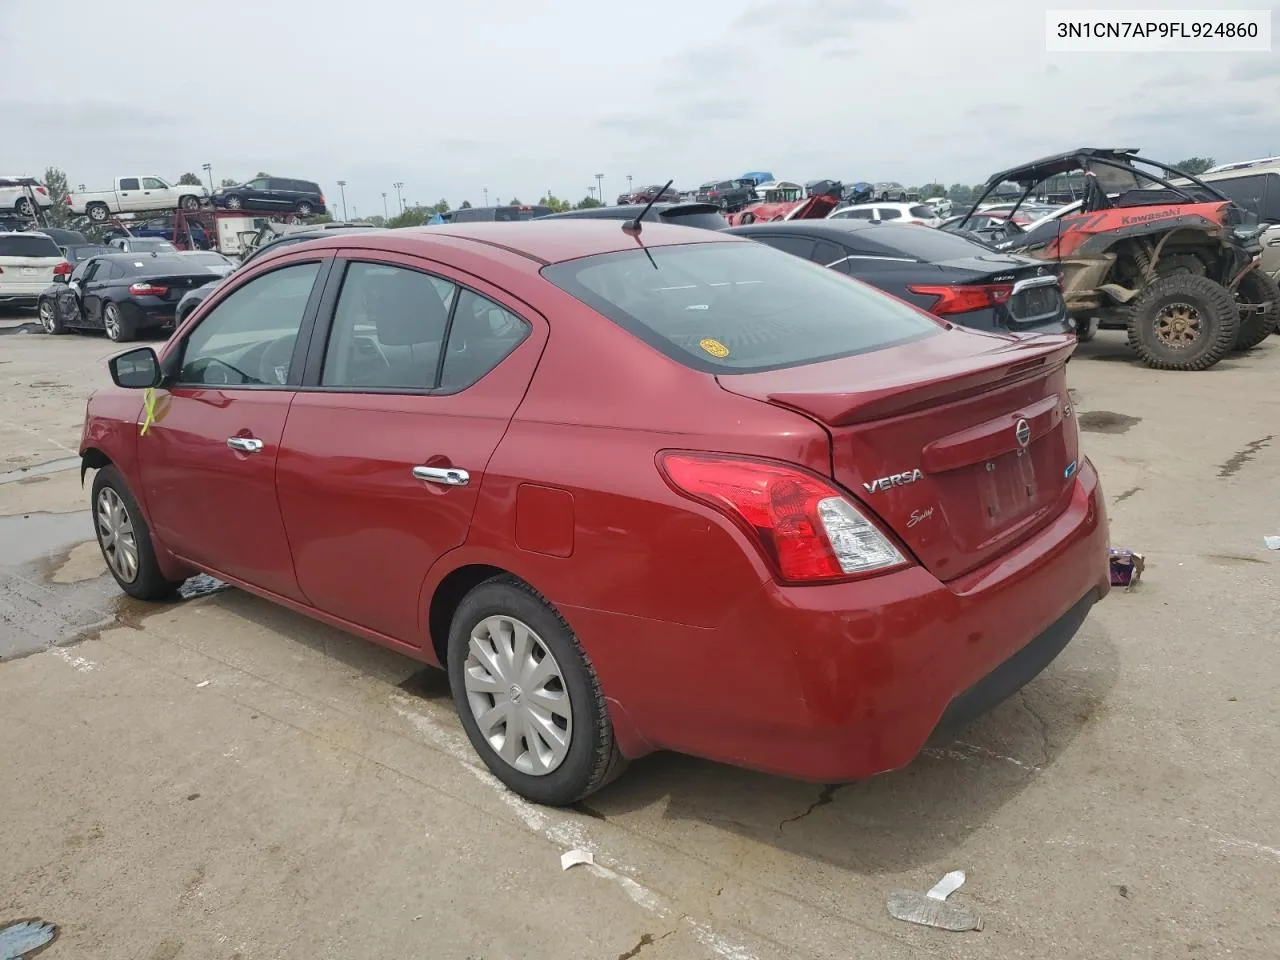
[(714, 347)]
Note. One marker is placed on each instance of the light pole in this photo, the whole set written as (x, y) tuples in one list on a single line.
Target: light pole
[(342, 188), (600, 187), (208, 172), (385, 215), (398, 184), (486, 196)]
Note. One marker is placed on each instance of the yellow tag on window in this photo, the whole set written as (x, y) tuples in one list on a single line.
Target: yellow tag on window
[(714, 347)]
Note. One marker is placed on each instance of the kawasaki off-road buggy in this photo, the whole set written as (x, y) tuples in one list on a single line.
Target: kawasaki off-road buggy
[(1155, 252)]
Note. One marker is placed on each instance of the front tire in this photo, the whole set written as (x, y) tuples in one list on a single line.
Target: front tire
[(125, 539), (120, 328), (527, 695), (1086, 329), (189, 203), (23, 207), (1257, 287), (98, 212), (1182, 322), (47, 310), (234, 203), (304, 209)]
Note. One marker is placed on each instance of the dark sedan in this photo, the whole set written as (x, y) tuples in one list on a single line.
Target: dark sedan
[(122, 294), (946, 274), (705, 215)]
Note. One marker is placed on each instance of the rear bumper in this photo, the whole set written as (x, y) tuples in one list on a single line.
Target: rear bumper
[(840, 682)]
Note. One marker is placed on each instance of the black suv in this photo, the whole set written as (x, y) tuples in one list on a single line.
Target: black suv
[(303, 197), (729, 195), (490, 214), (705, 215)]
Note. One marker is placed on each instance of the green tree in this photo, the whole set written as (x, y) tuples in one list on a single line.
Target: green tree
[(976, 190), (412, 217), (1195, 165), (555, 203), (513, 202), (190, 180), (260, 174), (959, 193), (378, 220), (320, 218), (932, 190), (465, 205), (442, 206), (59, 214), (228, 182), (587, 203)]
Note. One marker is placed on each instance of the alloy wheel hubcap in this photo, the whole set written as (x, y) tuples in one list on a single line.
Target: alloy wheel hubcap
[(112, 322), (1178, 325), (115, 534), (518, 696), (46, 317)]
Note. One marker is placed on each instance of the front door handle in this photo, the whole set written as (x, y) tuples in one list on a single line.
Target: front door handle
[(244, 444), (1274, 243), (448, 476)]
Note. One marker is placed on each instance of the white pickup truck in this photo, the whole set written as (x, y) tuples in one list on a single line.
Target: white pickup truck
[(134, 195)]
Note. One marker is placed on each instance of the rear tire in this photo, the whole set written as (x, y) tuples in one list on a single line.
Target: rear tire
[(119, 326), (1086, 329), (23, 207), (591, 758), (304, 209), (98, 212), (125, 539), (189, 203), (1257, 287), (234, 203), (1182, 322)]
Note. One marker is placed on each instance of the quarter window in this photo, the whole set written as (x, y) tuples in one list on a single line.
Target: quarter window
[(483, 334), (248, 338), (388, 329)]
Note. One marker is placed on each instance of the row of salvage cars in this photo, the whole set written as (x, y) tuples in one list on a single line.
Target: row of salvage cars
[(1152, 251)]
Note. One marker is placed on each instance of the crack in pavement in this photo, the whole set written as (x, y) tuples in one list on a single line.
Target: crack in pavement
[(646, 939), (1041, 724), (825, 796), (1245, 455)]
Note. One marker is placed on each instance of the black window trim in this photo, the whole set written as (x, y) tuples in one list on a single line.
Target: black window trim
[(301, 346), (327, 309)]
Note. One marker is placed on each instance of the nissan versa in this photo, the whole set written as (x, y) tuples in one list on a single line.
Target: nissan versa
[(636, 487)]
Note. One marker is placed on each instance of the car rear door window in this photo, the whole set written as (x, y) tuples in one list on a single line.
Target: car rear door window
[(388, 329), (796, 246), (247, 339), (481, 336), (859, 213), (923, 212), (827, 253), (890, 213), (129, 183)]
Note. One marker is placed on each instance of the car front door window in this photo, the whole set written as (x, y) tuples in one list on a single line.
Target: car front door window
[(152, 183), (248, 339)]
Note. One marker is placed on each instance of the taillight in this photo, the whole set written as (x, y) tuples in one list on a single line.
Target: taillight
[(42, 191), (62, 269), (148, 290), (964, 298), (67, 201), (809, 531)]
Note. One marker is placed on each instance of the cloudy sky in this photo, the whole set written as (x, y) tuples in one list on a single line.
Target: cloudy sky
[(525, 97)]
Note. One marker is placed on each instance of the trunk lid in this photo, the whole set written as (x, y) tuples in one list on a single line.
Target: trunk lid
[(963, 444), (177, 284), (1036, 301)]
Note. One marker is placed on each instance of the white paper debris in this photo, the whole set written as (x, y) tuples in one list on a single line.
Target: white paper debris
[(571, 858), (1273, 543), (932, 909), (203, 683)]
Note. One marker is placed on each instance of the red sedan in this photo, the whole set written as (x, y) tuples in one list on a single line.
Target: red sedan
[(647, 490)]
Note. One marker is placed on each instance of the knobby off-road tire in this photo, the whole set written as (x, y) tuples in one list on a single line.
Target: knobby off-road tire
[(1257, 287), (110, 499), (1182, 322), (592, 759)]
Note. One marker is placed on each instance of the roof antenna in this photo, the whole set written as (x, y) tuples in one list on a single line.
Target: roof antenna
[(633, 226)]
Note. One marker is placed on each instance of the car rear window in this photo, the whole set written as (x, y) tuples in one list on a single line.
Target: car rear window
[(508, 214), (923, 211), (706, 219), (738, 307), (931, 246), (151, 265), (28, 245)]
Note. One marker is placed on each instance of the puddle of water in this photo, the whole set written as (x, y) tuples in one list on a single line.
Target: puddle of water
[(26, 538), (39, 470), (1104, 421)]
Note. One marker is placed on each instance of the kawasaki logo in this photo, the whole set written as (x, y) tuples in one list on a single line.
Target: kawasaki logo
[(894, 480), (1154, 215)]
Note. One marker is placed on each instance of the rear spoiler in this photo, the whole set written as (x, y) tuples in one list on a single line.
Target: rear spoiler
[(905, 392)]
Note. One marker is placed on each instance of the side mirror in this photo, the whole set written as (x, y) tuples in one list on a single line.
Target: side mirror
[(137, 369)]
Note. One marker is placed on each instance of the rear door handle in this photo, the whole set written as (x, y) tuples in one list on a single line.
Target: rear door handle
[(245, 444), (448, 476)]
